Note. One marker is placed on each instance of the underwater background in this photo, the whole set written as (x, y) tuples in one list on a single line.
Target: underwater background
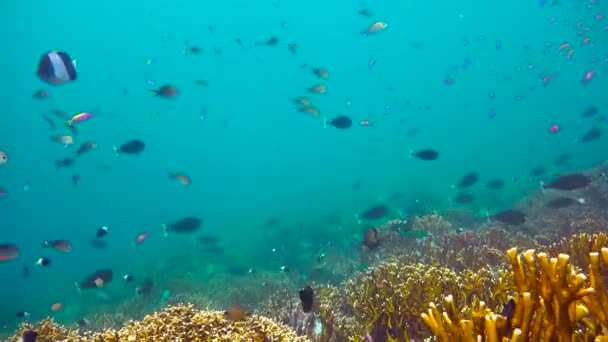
[(271, 184)]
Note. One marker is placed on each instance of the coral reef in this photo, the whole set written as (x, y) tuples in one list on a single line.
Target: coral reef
[(388, 299), (433, 224), (176, 323), (578, 247), (553, 303)]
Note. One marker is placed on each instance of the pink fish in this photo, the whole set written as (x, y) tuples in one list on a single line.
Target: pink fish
[(554, 129), (142, 237), (79, 118), (367, 123), (448, 81), (588, 76), (586, 41), (548, 78), (570, 53)]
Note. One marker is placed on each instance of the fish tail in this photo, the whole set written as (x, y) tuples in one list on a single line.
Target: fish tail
[(78, 288), (324, 122), (69, 123), (580, 200), (542, 186), (164, 229), (411, 152), (488, 217), (115, 151), (156, 92)]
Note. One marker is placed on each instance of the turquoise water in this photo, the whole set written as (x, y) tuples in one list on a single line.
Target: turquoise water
[(254, 157)]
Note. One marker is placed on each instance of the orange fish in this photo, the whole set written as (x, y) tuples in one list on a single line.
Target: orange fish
[(235, 313), (310, 110), (318, 89), (375, 28), (321, 73), (56, 307), (301, 101), (180, 177), (65, 140), (60, 245)]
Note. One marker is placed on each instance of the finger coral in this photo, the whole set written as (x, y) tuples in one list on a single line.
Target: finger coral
[(176, 323), (553, 303)]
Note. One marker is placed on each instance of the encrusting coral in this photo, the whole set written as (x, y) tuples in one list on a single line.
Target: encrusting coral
[(553, 303), (176, 323)]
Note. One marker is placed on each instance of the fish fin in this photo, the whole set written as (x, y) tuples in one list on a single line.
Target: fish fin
[(165, 229)]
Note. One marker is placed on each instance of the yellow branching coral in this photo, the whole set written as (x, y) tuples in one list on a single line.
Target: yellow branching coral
[(184, 323), (553, 303)]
